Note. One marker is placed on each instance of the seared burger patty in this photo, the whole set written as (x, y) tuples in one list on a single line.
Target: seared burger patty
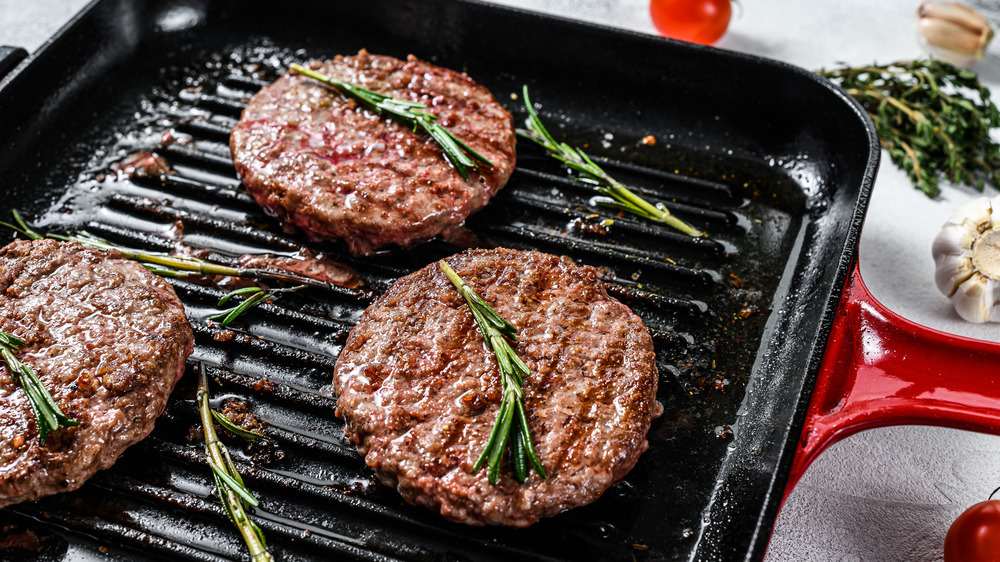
[(321, 163), (107, 338), (420, 391)]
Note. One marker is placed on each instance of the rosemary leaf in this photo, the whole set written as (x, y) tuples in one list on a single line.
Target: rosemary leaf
[(233, 493), (616, 195), (258, 296), (496, 330), (933, 118), (233, 484), (22, 227), (409, 113), (230, 314), (238, 292), (245, 434), (48, 416), (167, 265), (161, 263)]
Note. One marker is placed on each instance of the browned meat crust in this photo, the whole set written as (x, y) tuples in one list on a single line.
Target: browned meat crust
[(322, 164), (107, 338), (419, 391)]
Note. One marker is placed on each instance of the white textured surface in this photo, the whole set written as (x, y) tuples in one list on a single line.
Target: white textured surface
[(882, 495), (29, 23)]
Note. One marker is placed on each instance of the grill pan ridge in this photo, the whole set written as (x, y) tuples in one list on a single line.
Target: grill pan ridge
[(778, 174)]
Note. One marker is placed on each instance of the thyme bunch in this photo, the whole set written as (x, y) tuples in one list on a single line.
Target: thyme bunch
[(614, 194), (48, 416), (933, 118), (511, 427), (410, 113)]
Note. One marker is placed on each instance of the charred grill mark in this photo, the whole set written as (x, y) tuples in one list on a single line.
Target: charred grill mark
[(688, 188), (217, 104), (205, 129), (631, 229), (245, 83), (705, 218), (197, 157), (528, 236)]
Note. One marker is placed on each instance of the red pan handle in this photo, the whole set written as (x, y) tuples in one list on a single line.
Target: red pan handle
[(881, 369)]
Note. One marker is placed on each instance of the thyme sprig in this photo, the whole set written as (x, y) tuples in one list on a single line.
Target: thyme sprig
[(48, 416), (511, 426), (161, 263), (933, 118), (410, 113), (615, 194), (233, 493)]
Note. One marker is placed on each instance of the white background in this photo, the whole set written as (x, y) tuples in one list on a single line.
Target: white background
[(882, 495)]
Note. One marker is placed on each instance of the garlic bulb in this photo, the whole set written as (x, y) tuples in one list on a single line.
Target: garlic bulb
[(953, 33), (967, 254)]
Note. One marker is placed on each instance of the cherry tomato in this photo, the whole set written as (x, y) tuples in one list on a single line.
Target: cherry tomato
[(697, 21), (975, 535)]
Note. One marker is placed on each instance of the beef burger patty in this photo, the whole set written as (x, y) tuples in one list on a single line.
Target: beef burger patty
[(108, 340), (321, 163), (420, 391)]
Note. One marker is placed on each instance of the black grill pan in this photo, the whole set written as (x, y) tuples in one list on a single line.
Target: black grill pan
[(776, 164)]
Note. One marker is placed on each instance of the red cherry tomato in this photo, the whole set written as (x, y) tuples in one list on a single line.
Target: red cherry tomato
[(697, 21), (975, 535)]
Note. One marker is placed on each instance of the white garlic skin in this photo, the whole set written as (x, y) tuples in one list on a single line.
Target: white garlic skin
[(953, 33), (974, 291)]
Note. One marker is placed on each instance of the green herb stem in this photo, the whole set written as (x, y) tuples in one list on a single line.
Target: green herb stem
[(409, 113), (244, 434), (233, 494), (48, 416), (161, 263), (256, 296), (934, 119), (511, 427), (616, 195), (228, 315)]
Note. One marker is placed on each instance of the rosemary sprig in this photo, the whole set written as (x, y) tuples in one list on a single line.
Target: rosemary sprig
[(933, 118), (162, 263), (48, 416), (409, 113), (615, 195), (257, 296), (233, 493), (512, 423)]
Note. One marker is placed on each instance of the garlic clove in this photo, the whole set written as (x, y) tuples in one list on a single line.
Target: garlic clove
[(953, 33), (954, 240), (975, 299), (952, 271), (976, 211), (995, 310)]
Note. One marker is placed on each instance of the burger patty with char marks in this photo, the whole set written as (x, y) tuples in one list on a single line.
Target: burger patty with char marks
[(420, 391), (321, 163), (108, 340)]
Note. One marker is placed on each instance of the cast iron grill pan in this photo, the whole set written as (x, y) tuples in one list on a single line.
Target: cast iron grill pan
[(716, 306)]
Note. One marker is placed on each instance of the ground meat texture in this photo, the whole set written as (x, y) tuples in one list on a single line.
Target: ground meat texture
[(322, 164), (420, 391), (108, 340)]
